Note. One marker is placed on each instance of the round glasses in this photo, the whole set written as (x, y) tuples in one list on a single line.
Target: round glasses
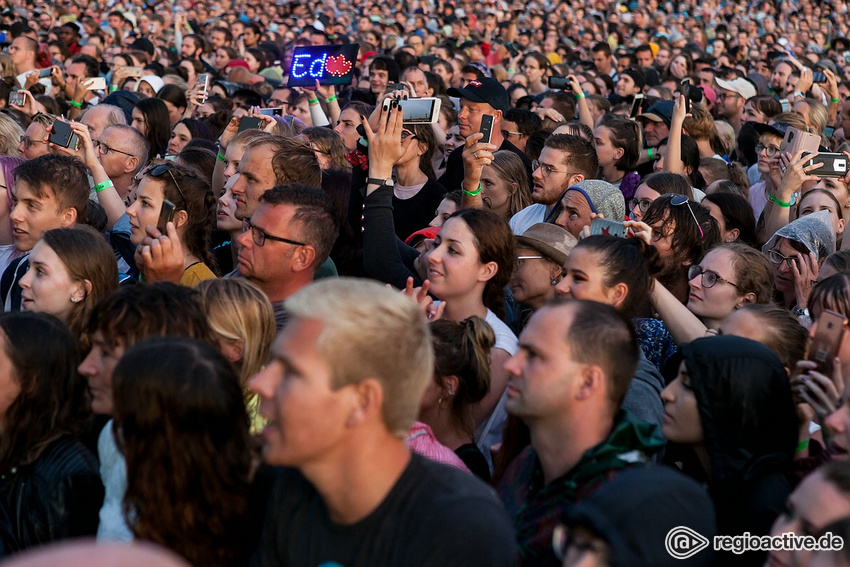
[(709, 277), (770, 151), (643, 204), (28, 142), (545, 168)]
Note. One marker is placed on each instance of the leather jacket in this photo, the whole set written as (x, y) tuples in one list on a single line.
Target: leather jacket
[(56, 497)]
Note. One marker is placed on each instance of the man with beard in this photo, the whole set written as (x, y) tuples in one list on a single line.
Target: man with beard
[(564, 161)]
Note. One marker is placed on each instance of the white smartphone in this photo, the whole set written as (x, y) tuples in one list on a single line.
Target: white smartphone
[(96, 84), (424, 110)]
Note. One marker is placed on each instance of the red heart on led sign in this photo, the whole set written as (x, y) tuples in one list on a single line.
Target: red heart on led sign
[(338, 65)]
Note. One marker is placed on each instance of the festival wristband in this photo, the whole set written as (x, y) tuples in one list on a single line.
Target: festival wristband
[(472, 193), (779, 203), (103, 185)]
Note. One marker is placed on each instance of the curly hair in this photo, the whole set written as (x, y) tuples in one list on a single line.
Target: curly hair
[(329, 143), (52, 401), (179, 415)]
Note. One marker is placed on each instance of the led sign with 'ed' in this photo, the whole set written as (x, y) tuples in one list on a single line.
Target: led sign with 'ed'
[(329, 64)]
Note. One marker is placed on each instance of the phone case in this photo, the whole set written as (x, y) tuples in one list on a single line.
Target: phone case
[(607, 227), (834, 165), (826, 341), (796, 141), (249, 123)]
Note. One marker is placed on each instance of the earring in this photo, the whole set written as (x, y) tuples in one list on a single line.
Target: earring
[(74, 300), (554, 282)]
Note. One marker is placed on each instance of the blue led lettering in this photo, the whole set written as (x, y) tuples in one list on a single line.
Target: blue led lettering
[(300, 67), (317, 67)]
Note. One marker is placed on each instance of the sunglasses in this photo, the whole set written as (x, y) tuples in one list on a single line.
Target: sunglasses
[(160, 170), (28, 142), (678, 201)]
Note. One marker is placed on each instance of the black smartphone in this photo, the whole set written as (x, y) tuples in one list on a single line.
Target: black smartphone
[(562, 83), (512, 49), (394, 87), (818, 78), (834, 165), (249, 123), (486, 128), (44, 73), (829, 131), (62, 135), (166, 215)]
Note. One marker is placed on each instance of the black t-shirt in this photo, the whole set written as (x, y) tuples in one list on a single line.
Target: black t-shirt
[(434, 515)]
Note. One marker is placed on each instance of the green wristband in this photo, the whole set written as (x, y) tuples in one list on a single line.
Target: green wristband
[(75, 104), (221, 158), (473, 193), (579, 96), (314, 101), (802, 445), (331, 98), (835, 100), (103, 185), (779, 203)]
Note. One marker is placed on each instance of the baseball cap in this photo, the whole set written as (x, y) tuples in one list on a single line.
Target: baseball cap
[(661, 111), (550, 240), (486, 90), (740, 86)]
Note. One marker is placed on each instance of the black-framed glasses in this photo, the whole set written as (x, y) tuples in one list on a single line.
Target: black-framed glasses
[(104, 149), (278, 103), (545, 168), (259, 236), (28, 142), (709, 277), (776, 257), (159, 171), (642, 204), (770, 151), (678, 201)]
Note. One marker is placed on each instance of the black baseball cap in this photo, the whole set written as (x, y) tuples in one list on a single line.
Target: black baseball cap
[(486, 90)]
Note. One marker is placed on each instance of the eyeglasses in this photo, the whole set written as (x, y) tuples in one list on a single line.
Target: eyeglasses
[(104, 149), (709, 278), (28, 142), (545, 168), (276, 102), (159, 171), (770, 151), (679, 200), (721, 96), (521, 259), (508, 133), (776, 257), (259, 236), (643, 204)]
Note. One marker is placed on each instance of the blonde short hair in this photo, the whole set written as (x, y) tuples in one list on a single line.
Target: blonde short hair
[(238, 310), (370, 331), (10, 136)]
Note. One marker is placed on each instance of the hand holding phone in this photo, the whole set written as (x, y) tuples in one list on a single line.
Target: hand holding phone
[(166, 215)]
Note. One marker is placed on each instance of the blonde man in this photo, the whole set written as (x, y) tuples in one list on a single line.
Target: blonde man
[(344, 385)]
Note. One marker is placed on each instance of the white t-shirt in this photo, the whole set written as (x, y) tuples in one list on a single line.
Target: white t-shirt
[(526, 218)]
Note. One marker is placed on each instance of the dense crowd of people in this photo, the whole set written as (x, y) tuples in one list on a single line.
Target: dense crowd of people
[(602, 295)]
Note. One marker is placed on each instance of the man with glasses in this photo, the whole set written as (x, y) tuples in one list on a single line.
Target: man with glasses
[(291, 234), (280, 99), (34, 141), (732, 96), (564, 161), (518, 124)]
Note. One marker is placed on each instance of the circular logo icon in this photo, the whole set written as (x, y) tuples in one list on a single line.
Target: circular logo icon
[(683, 542)]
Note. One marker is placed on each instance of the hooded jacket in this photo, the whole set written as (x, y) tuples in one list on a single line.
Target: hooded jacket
[(750, 431), (634, 513), (536, 508)]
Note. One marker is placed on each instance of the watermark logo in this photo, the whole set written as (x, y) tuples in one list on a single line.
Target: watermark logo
[(683, 542)]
